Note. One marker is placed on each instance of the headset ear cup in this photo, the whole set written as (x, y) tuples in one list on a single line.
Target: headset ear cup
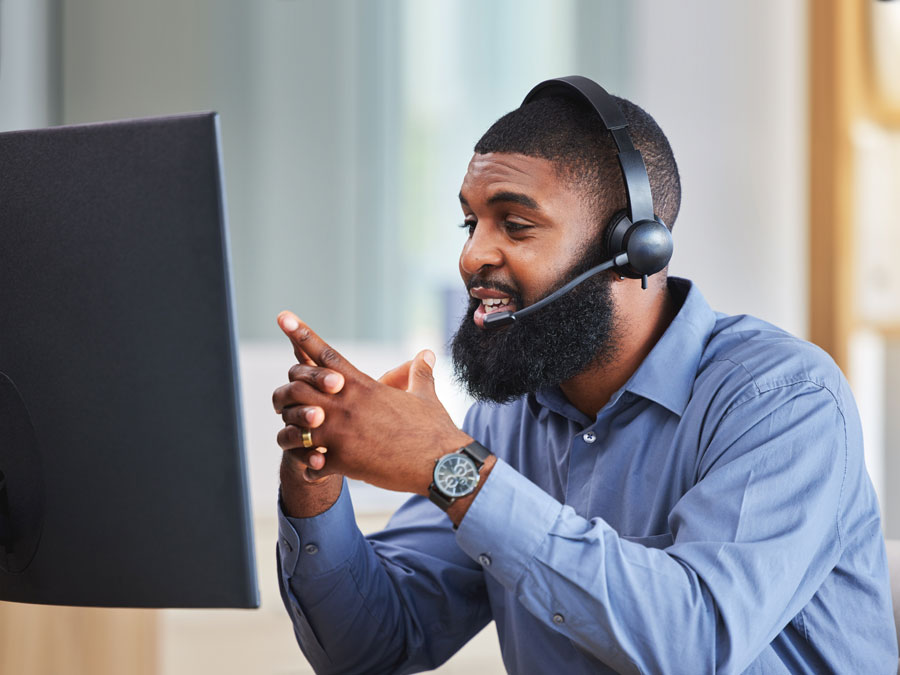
[(649, 247), (615, 237)]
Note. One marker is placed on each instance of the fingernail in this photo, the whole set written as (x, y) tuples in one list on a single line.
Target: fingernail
[(289, 323), (429, 358), (310, 416), (332, 381)]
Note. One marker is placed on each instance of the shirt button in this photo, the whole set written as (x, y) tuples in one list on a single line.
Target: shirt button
[(589, 437), (286, 544), (559, 619), (485, 560), (311, 549)]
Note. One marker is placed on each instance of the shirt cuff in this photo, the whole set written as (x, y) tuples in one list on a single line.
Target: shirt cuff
[(320, 544), (506, 523)]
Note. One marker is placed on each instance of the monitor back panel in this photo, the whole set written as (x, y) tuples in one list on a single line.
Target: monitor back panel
[(117, 339)]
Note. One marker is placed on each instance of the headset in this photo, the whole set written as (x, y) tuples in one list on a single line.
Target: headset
[(638, 241)]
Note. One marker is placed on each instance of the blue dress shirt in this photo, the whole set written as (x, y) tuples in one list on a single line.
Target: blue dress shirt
[(715, 516)]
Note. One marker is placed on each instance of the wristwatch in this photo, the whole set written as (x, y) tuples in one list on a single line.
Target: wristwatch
[(456, 474)]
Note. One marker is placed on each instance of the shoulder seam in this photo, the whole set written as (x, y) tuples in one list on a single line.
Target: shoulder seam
[(742, 367), (837, 405)]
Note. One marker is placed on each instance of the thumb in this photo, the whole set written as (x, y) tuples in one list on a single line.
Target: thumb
[(421, 376), (398, 377)]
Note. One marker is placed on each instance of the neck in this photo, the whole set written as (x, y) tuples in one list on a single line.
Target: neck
[(639, 328)]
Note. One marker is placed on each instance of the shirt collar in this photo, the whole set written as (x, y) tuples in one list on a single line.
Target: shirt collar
[(552, 398), (667, 375)]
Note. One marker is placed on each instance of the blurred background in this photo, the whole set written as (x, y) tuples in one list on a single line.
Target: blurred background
[(347, 127)]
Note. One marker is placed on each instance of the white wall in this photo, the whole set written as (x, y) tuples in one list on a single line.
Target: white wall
[(727, 83), (29, 77)]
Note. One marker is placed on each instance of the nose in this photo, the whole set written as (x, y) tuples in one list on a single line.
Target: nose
[(480, 250)]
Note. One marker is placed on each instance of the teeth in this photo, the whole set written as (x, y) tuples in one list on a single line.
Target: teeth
[(495, 302)]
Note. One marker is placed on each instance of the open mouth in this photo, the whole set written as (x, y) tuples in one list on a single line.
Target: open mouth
[(495, 304), (490, 305)]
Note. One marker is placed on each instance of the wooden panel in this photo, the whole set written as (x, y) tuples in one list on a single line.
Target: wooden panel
[(43, 640), (835, 52), (881, 31)]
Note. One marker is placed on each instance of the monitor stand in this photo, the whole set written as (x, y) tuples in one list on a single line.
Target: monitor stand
[(21, 484)]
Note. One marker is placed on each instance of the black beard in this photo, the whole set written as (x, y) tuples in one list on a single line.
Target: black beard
[(543, 349)]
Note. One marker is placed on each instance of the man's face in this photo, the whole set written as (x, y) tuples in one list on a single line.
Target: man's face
[(530, 232)]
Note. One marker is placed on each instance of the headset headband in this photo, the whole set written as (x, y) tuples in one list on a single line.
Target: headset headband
[(634, 172)]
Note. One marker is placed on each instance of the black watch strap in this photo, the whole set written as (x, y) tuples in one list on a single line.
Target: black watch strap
[(478, 454), (437, 498)]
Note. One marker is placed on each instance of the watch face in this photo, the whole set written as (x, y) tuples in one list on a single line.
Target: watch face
[(455, 475)]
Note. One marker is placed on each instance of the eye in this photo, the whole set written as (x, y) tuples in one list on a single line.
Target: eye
[(469, 225), (515, 228)]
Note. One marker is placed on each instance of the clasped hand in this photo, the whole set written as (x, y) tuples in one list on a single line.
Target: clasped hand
[(386, 432)]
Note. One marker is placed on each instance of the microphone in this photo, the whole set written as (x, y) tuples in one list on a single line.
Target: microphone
[(498, 319)]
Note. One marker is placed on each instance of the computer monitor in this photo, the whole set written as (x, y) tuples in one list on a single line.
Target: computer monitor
[(122, 467)]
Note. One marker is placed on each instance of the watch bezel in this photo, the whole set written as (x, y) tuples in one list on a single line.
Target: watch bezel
[(473, 452), (440, 480)]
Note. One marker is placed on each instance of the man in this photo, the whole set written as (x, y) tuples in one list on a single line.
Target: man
[(661, 489)]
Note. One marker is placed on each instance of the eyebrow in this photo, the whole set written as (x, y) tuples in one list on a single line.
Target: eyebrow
[(506, 196)]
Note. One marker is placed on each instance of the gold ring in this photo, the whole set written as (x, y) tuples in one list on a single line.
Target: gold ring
[(307, 438)]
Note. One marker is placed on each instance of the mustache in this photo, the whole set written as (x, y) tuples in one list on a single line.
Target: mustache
[(479, 281)]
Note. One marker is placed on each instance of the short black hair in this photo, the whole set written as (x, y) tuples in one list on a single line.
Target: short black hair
[(571, 134)]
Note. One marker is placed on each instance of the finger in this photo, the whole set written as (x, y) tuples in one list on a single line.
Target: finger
[(305, 339), (290, 437), (398, 377), (311, 463), (421, 375), (322, 379), (316, 460), (301, 356), (307, 416), (298, 393)]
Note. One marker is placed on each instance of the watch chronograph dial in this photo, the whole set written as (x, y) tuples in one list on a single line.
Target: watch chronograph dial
[(455, 475)]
